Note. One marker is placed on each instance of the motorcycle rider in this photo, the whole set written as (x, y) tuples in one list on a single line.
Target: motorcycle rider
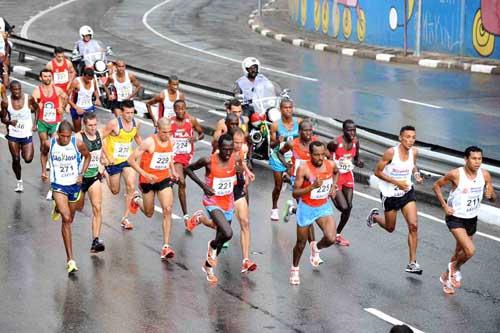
[(86, 45), (249, 81)]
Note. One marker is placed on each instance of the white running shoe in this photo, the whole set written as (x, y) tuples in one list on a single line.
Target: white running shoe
[(314, 257), (275, 215), (20, 186), (294, 276), (49, 195)]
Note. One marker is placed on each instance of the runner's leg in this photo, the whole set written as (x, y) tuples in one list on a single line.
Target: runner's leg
[(28, 152), (410, 214), (466, 243), (166, 198), (388, 221), (179, 168), (223, 230), (63, 206), (278, 183), (241, 209), (95, 196), (15, 151), (343, 202), (327, 225), (302, 237), (43, 137), (129, 176)]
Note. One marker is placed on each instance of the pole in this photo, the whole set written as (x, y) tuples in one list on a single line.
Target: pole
[(405, 41), (260, 7), (419, 29), (462, 28)]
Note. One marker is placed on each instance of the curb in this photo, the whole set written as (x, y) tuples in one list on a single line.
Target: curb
[(367, 53)]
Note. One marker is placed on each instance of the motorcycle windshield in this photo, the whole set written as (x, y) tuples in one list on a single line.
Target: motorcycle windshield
[(94, 52), (264, 97)]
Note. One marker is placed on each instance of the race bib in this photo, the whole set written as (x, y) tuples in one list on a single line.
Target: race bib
[(223, 186), (20, 130), (182, 146), (160, 161), (345, 165), (323, 191), (95, 157), (472, 204), (49, 112), (122, 150), (67, 169), (298, 163), (168, 113), (61, 77), (123, 93), (84, 101)]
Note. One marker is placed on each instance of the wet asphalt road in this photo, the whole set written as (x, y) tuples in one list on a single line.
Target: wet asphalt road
[(464, 107), (129, 289)]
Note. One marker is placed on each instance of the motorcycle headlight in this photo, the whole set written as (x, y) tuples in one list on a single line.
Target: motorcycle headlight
[(256, 136), (273, 114), (100, 66)]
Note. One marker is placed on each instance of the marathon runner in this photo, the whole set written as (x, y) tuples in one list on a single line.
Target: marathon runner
[(220, 178), (65, 155), (63, 72), (394, 170), (16, 115), (165, 99), (282, 131), (119, 134), (51, 104), (183, 127), (232, 106), (345, 152), (461, 211), (153, 161), (91, 183), (83, 90), (126, 84), (314, 184), (231, 123)]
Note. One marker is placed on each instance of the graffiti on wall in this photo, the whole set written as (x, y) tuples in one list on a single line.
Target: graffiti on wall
[(485, 27)]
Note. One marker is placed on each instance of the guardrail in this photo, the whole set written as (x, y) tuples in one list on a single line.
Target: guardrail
[(210, 97)]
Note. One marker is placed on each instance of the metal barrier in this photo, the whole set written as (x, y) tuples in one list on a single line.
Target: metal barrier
[(214, 98)]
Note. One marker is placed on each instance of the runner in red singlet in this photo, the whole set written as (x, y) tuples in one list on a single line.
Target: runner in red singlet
[(63, 72)]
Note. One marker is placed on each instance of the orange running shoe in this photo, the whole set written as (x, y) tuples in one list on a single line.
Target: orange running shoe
[(167, 252), (211, 255), (248, 266), (340, 240), (133, 205), (194, 221), (210, 273), (126, 224)]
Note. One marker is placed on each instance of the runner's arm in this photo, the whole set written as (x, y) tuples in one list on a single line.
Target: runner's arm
[(490, 191), (155, 100), (416, 172), (379, 168), (197, 127), (450, 178), (357, 159), (136, 84), (137, 137), (96, 93), (200, 163), (219, 130), (86, 154), (110, 128), (104, 154), (332, 147), (4, 114), (299, 180), (136, 156), (281, 154), (34, 109), (274, 138), (71, 73), (73, 88)]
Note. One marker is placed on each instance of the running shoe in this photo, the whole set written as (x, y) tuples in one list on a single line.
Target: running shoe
[(248, 266), (454, 276), (447, 287), (71, 267), (294, 276), (340, 240), (369, 219), (133, 205), (55, 215), (210, 273), (167, 252), (185, 218), (211, 255), (19, 187), (194, 221), (49, 196), (275, 215), (414, 268), (97, 245), (314, 257), (287, 211), (125, 224)]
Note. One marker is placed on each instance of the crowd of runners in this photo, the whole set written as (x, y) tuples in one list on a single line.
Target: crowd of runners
[(84, 154)]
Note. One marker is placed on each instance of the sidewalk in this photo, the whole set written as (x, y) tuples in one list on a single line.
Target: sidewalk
[(275, 23)]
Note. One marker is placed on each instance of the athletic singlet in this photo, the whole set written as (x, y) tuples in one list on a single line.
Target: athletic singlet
[(48, 107), (123, 89), (299, 156), (158, 162), (84, 97), (168, 106), (182, 136), (60, 74), (120, 146), (288, 135), (343, 157), (318, 196), (95, 149), (466, 198), (23, 118), (399, 170), (64, 162), (222, 181)]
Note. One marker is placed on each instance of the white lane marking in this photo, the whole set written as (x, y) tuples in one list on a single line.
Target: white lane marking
[(27, 24), (420, 103), (159, 210), (389, 319), (427, 216), (146, 24)]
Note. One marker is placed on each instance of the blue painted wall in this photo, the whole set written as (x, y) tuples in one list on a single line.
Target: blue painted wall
[(456, 27)]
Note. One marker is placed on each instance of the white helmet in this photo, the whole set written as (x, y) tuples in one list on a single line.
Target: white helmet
[(249, 62), (86, 30)]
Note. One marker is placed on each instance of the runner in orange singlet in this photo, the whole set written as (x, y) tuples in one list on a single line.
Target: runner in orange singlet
[(63, 72)]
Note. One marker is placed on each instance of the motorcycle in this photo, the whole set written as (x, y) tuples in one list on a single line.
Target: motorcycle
[(263, 112), (99, 63)]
